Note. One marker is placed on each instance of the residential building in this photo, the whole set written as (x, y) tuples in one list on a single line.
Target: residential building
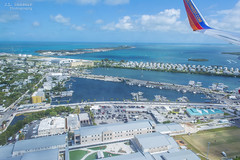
[(38, 96)]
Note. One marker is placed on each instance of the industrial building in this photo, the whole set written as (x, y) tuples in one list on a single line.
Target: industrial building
[(154, 142), (112, 132), (209, 113), (38, 96), (51, 126)]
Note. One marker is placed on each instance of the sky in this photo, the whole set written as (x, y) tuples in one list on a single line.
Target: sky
[(130, 21)]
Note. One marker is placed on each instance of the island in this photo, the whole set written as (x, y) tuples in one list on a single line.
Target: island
[(80, 51), (232, 53), (197, 60)]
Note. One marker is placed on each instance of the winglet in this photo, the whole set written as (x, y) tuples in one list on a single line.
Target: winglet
[(195, 18)]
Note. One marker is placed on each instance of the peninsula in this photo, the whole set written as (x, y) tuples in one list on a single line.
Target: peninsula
[(79, 51), (232, 53)]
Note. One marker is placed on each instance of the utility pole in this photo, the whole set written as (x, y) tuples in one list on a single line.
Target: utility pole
[(208, 150)]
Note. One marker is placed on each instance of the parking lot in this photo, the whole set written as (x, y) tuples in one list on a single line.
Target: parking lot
[(114, 114), (31, 130)]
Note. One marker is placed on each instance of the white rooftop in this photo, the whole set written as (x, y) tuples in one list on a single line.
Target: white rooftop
[(52, 123)]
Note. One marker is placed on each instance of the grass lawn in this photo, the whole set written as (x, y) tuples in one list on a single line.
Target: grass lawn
[(98, 148), (223, 139), (77, 155)]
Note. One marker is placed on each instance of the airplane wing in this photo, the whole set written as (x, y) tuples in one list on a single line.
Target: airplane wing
[(198, 23)]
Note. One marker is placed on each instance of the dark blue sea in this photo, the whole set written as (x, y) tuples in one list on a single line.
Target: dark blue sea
[(95, 90)]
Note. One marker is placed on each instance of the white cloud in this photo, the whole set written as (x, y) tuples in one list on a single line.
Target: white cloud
[(227, 19), (99, 21), (86, 2), (124, 23), (116, 2), (167, 20), (66, 21), (78, 28), (36, 24), (60, 19), (5, 18)]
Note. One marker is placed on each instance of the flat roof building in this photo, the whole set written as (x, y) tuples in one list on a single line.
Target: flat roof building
[(39, 144), (179, 155), (154, 142), (73, 122), (84, 119), (170, 128), (52, 154), (52, 126), (193, 112)]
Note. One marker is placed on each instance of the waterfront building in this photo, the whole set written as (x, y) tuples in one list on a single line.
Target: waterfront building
[(154, 142), (112, 132), (83, 63), (210, 113), (51, 126), (38, 96)]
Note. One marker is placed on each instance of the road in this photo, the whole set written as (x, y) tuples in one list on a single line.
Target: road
[(12, 109)]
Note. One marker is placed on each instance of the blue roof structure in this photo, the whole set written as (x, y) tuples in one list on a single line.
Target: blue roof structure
[(203, 112), (180, 155), (40, 143), (152, 140), (6, 151), (42, 155)]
